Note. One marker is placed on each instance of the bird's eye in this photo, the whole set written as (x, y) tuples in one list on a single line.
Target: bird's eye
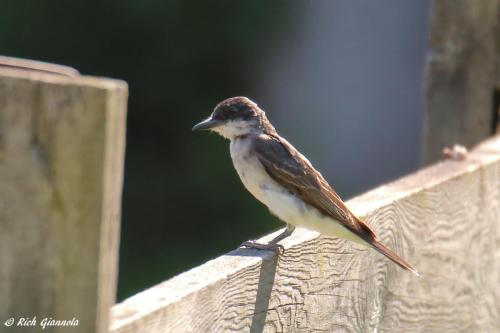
[(219, 115), (228, 113)]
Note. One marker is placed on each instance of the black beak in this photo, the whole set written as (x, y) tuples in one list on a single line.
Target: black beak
[(206, 125)]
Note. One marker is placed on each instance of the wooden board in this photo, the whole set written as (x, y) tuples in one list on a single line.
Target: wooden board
[(61, 164), (444, 220), (463, 70)]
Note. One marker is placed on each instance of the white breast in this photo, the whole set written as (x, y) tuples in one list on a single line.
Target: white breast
[(281, 202), (249, 168)]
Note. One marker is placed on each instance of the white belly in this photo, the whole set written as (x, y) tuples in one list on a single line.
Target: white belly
[(280, 201)]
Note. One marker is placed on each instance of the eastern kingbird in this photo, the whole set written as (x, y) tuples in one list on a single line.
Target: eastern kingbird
[(284, 180)]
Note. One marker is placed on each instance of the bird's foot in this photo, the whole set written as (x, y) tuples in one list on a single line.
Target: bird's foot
[(269, 247)]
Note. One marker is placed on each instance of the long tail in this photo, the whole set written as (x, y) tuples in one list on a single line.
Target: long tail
[(369, 237), (393, 256)]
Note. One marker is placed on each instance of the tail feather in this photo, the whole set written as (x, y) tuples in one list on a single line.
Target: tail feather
[(393, 256), (369, 236)]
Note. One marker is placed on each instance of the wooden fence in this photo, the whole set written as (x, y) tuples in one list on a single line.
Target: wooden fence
[(61, 155), (61, 167), (444, 219), (61, 161)]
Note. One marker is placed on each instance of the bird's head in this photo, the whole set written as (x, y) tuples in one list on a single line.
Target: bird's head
[(236, 117)]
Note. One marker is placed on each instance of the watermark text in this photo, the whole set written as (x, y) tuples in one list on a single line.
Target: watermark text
[(43, 323)]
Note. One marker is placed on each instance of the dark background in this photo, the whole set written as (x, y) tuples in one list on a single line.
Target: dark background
[(342, 80)]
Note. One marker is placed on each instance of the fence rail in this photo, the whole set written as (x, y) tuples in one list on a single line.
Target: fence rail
[(443, 219)]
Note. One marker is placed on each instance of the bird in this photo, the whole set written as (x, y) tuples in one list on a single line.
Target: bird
[(284, 180)]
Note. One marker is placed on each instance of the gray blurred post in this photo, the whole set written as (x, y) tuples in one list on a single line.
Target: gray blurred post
[(463, 74), (346, 88), (61, 166)]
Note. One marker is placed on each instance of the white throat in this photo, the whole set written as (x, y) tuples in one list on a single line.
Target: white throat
[(235, 128)]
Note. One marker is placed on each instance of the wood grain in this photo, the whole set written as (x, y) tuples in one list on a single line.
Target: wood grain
[(463, 70), (61, 162), (443, 219)]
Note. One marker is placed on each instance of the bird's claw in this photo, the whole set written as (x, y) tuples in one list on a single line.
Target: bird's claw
[(259, 246)]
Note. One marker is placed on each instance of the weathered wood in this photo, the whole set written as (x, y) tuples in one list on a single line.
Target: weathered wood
[(462, 72), (497, 104), (39, 66), (444, 220), (61, 161)]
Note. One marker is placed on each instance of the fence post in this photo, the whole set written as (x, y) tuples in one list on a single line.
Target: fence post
[(463, 74), (61, 164)]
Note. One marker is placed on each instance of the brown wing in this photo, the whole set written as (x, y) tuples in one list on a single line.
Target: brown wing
[(294, 172)]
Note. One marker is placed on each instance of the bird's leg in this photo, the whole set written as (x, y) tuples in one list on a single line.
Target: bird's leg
[(273, 244), (287, 232)]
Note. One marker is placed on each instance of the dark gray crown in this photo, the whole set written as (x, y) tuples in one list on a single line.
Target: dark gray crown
[(235, 108)]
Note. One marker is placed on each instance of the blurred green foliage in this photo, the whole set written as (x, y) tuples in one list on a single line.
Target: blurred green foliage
[(183, 203)]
